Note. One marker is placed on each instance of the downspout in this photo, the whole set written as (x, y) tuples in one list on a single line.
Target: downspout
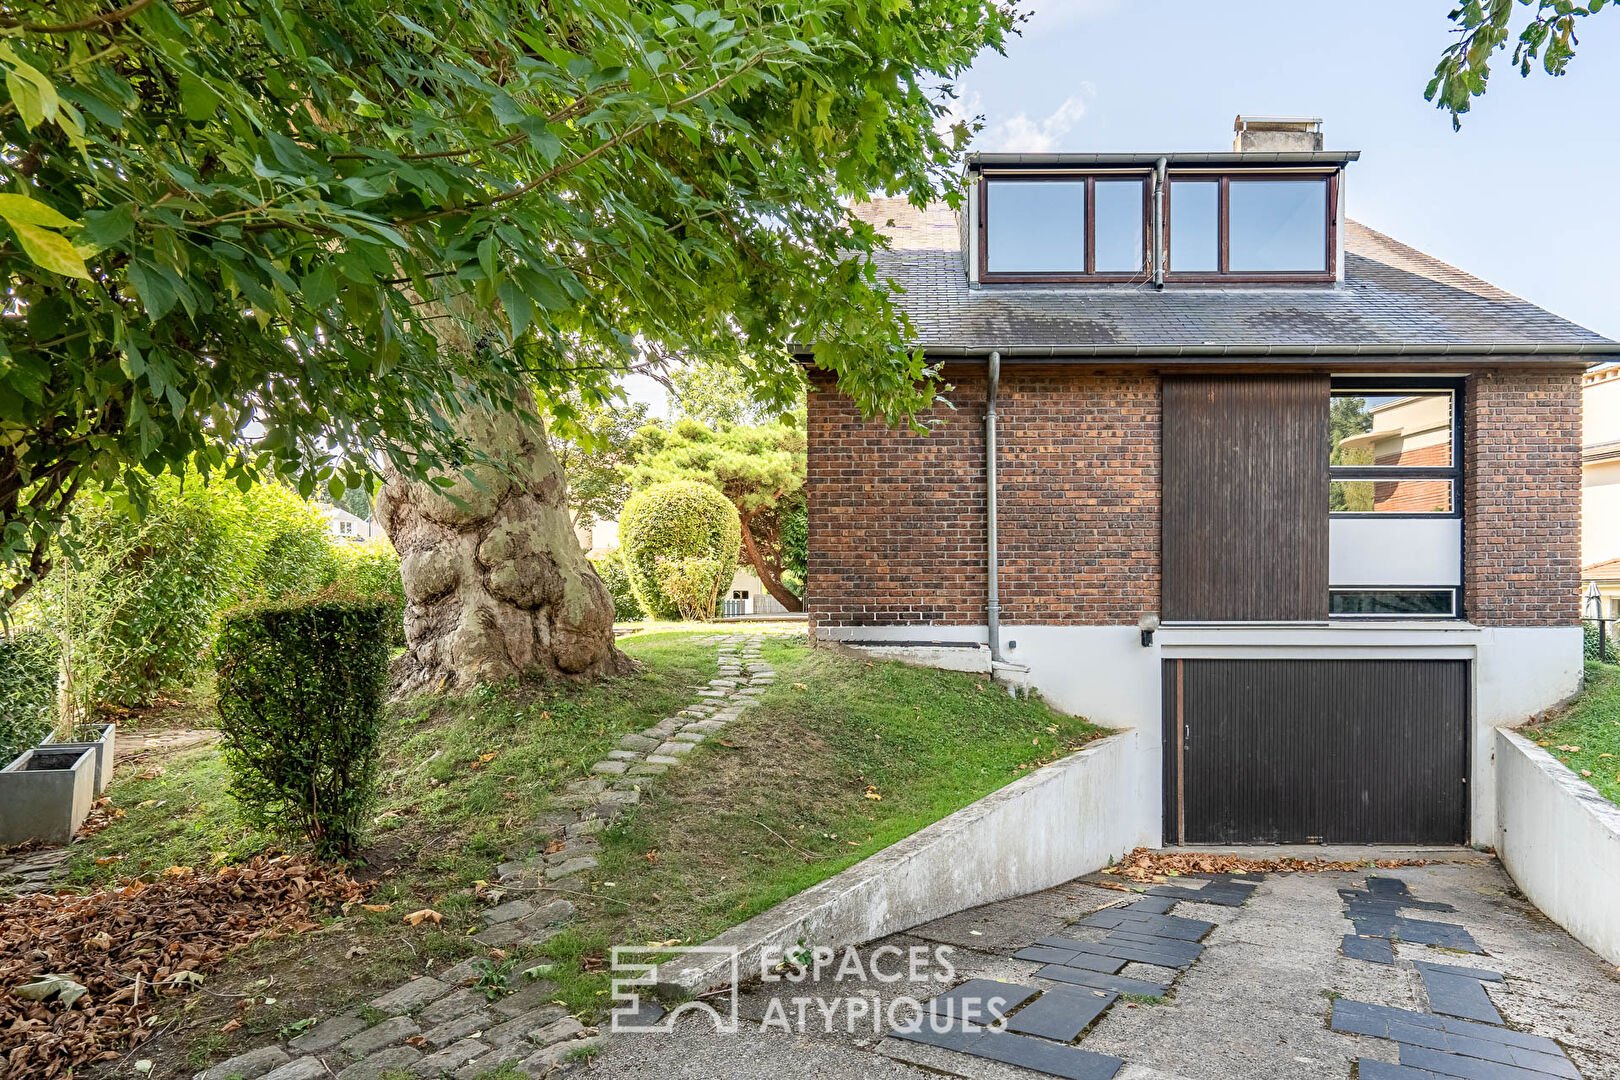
[(1158, 223), (993, 605)]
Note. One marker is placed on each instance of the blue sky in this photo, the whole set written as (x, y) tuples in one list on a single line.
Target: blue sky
[(1522, 196)]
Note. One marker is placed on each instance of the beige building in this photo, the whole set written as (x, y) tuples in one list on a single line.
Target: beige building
[(1600, 488)]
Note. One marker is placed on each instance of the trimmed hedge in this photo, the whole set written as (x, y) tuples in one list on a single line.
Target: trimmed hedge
[(678, 519), (610, 568), (371, 570), (30, 661), (301, 688)]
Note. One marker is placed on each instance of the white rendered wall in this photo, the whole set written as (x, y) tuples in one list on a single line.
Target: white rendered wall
[(1600, 512), (1560, 840), (1105, 674)]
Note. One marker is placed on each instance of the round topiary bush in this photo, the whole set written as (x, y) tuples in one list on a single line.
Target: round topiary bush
[(610, 568), (676, 520)]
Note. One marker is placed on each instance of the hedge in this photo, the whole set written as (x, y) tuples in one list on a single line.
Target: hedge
[(678, 519), (29, 665), (301, 688)]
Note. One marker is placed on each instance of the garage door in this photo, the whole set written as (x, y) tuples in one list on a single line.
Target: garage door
[(1316, 751)]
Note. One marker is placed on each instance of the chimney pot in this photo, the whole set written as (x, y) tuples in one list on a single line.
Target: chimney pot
[(1277, 133)]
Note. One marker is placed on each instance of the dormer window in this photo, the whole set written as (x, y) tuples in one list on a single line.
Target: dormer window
[(1225, 220)]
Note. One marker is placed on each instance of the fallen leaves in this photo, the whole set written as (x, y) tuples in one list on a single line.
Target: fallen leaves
[(1570, 749), (872, 793), (1147, 865), (416, 918), (130, 944), (483, 759)]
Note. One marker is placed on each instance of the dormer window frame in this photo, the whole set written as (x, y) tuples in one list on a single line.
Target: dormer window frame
[(1222, 174), (1224, 275), (1089, 276)]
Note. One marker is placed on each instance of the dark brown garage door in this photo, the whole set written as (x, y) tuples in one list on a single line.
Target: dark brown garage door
[(1330, 751)]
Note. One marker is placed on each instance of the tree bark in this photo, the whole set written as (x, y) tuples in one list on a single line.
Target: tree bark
[(496, 585), (769, 576)]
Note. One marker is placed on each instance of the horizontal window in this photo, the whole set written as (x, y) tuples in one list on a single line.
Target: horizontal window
[(1275, 226), (1065, 228), (1392, 429), (1390, 496), (1393, 603)]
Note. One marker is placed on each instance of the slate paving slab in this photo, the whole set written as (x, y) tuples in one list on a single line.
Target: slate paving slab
[(1123, 984), (981, 1001), (1438, 1061), (1417, 931), (1452, 969), (1163, 926), (1459, 995), (1061, 1014), (1024, 1051), (1372, 1069), (1372, 949), (1361, 1018)]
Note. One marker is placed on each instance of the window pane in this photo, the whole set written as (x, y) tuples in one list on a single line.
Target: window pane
[(1277, 225), (1391, 602), (1391, 429), (1390, 496), (1036, 226), (1194, 231), (1119, 226)]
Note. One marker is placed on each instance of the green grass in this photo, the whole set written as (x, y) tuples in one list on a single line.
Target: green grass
[(1590, 727)]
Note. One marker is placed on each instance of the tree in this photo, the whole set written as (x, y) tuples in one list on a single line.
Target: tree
[(1348, 416), (1483, 31), (596, 458), (716, 394), (760, 469), (286, 236)]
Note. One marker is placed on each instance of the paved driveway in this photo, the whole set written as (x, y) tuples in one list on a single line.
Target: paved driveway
[(1257, 986)]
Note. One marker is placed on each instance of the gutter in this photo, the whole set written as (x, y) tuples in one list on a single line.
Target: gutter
[(1607, 348), (993, 600)]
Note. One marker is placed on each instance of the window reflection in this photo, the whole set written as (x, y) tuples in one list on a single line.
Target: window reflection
[(1276, 225), (1036, 226), (1119, 226), (1195, 226)]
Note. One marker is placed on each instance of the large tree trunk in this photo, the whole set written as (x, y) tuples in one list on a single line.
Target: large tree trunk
[(496, 586), (769, 575)]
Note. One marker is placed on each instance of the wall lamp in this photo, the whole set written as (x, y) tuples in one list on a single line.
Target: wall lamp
[(1147, 624)]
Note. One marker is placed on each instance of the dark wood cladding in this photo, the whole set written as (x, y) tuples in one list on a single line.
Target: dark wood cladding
[(1245, 520), (1329, 751)]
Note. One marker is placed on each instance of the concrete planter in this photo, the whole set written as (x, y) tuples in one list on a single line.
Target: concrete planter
[(46, 793), (103, 743)]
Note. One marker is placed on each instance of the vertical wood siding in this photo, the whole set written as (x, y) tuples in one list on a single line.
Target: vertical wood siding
[(1245, 523)]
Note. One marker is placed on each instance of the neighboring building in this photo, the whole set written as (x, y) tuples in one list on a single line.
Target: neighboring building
[(598, 537), (1600, 489), (1168, 342), (346, 526), (747, 595)]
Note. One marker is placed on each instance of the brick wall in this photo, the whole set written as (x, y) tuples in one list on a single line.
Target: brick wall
[(1522, 492), (897, 520)]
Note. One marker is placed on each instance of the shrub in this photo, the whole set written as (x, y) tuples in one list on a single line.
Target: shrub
[(371, 570), (610, 568), (693, 582), (674, 520), (29, 669), (300, 708), (282, 543)]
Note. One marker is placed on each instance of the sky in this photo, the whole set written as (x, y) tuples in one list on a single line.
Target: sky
[(1516, 197)]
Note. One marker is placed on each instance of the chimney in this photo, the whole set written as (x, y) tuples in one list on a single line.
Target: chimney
[(1277, 133)]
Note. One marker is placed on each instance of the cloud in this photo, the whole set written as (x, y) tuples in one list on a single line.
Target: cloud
[(1019, 134)]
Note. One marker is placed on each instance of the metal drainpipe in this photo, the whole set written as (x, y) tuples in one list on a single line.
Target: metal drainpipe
[(993, 605), (1158, 223)]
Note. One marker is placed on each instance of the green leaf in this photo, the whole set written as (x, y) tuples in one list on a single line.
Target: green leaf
[(49, 251), (104, 228), (21, 209), (197, 98)]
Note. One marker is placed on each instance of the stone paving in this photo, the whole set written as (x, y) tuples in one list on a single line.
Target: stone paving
[(1213, 979), (439, 1025)]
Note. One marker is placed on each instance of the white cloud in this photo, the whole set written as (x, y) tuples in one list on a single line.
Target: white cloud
[(1020, 134)]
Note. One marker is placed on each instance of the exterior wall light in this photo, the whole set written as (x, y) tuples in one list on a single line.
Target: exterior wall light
[(1147, 624)]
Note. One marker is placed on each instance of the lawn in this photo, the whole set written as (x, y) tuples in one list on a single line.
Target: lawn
[(1585, 734), (841, 758)]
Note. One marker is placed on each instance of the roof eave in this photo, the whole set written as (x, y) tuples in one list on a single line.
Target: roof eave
[(980, 160)]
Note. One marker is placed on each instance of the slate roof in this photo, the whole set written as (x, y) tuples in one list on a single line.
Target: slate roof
[(1393, 298)]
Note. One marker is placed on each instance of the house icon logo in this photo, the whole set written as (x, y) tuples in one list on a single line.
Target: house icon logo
[(636, 1008)]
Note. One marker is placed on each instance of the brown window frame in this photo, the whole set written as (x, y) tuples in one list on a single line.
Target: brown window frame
[(1089, 275), (1226, 276)]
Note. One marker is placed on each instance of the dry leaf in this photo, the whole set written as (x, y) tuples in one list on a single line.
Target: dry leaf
[(1570, 749), (555, 846), (378, 907), (230, 1025), (651, 856), (872, 793), (416, 918)]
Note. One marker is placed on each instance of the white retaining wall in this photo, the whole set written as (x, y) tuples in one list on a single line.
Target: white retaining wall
[(1560, 840), (1043, 829)]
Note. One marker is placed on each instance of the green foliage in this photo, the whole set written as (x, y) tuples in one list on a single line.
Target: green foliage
[(275, 236), (674, 519), (604, 440), (1592, 638), (29, 670), (759, 469), (692, 582), (371, 570), (1585, 734), (718, 395), (1483, 30), (282, 539), (610, 568), (300, 708)]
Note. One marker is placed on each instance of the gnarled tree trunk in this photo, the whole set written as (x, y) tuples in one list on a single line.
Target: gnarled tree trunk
[(768, 570), (496, 585)]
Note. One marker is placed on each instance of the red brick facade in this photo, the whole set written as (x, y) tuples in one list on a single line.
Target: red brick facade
[(1522, 498), (897, 521)]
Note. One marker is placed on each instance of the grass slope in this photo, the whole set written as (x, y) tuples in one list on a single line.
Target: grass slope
[(1590, 725), (842, 758)]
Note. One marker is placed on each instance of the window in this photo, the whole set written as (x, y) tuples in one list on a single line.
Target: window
[(1392, 450), (1393, 603), (1251, 227), (1064, 228)]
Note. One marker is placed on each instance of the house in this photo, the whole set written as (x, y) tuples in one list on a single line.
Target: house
[(343, 525), (1295, 503), (1600, 491)]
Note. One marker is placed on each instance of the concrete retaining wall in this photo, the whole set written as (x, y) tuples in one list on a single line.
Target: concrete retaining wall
[(1560, 840), (1059, 822)]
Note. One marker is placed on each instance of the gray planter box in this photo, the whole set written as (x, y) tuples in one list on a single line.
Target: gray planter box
[(104, 745), (46, 793)]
